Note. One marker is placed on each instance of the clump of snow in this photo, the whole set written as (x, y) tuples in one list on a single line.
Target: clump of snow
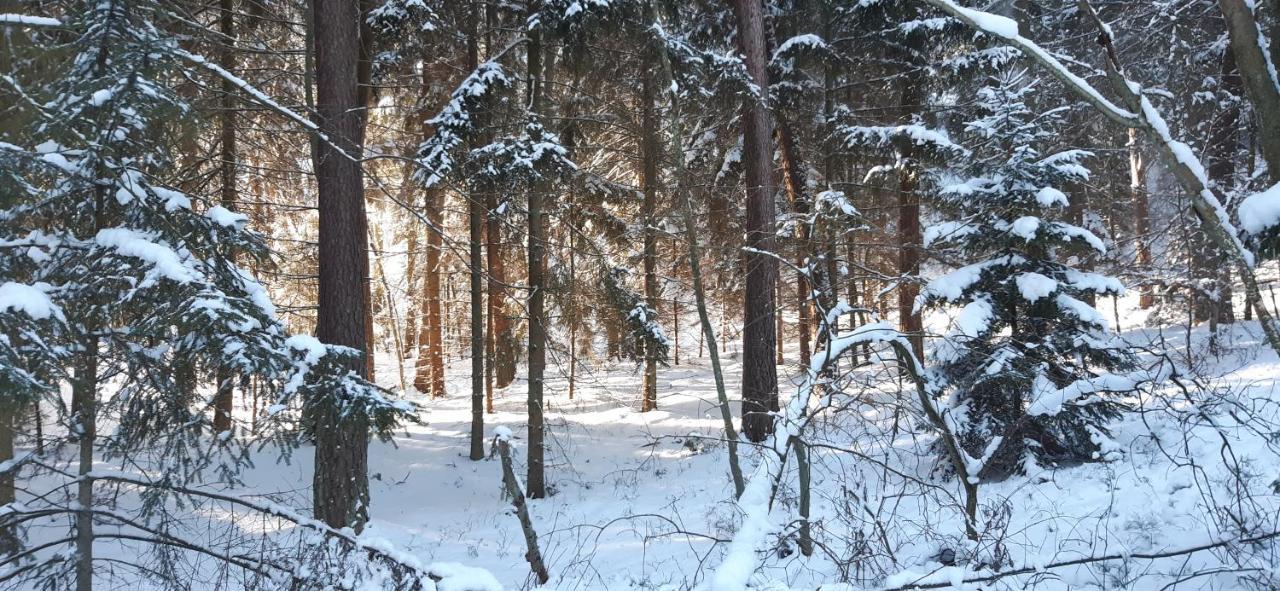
[(1034, 286), (459, 577), (227, 218), (28, 20), (1025, 227), (32, 300), (1260, 211), (1049, 196), (132, 243)]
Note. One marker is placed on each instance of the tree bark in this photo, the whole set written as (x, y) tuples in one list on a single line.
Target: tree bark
[(650, 154), (759, 374), (1141, 215), (909, 239), (537, 288), (475, 221), (224, 397), (1256, 77), (793, 180), (1224, 143), (84, 392), (340, 486)]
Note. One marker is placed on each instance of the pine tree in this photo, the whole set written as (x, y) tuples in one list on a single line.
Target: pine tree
[(1027, 363)]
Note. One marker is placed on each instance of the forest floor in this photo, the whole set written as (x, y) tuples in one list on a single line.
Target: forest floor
[(637, 503), (645, 501)]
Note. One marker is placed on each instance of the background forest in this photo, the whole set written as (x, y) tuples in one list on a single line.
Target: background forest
[(471, 295)]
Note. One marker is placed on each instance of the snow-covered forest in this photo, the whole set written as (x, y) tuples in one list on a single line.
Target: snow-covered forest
[(639, 295)]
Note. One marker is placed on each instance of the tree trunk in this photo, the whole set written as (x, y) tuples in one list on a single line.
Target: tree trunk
[(475, 221), (650, 154), (1256, 77), (224, 397), (537, 290), (1141, 216), (909, 240), (9, 541), (84, 392), (759, 374), (1224, 143), (793, 180), (340, 486)]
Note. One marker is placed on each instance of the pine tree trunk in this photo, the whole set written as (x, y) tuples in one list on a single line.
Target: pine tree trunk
[(224, 398), (1256, 77), (1141, 216), (793, 180), (410, 338), (1224, 142), (340, 485), (429, 375), (650, 155), (475, 227), (909, 240), (9, 542), (535, 461), (759, 374), (84, 392)]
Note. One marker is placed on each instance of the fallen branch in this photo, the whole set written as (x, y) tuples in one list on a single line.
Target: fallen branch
[(502, 444)]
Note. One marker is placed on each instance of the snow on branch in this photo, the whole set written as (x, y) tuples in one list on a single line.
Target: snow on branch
[(456, 121), (29, 21), (739, 562)]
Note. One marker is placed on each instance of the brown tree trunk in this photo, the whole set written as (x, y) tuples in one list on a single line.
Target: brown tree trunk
[(909, 240), (223, 399), (1224, 142), (340, 486), (793, 180), (759, 374), (475, 227), (410, 282), (84, 408), (1256, 77), (535, 461), (650, 153), (1141, 216)]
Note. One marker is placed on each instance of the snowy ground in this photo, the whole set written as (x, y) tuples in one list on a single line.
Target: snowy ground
[(638, 504)]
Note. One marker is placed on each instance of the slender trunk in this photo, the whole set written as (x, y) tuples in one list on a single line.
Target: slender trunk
[(1224, 143), (9, 542), (1256, 76), (475, 221), (909, 239), (777, 320), (537, 315), (759, 374), (340, 488), (793, 180), (223, 399), (410, 338), (389, 302), (650, 153), (573, 322), (84, 391), (675, 324), (708, 334), (1141, 215)]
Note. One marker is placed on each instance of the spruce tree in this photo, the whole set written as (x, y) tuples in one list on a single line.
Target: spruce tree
[(1027, 364)]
